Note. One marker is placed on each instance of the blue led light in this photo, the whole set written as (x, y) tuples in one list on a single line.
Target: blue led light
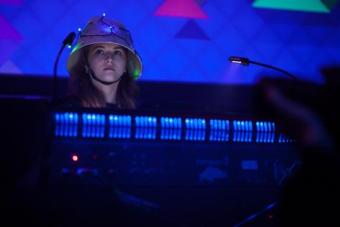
[(93, 125), (119, 126), (243, 131), (265, 132), (171, 128), (145, 127), (282, 138), (66, 124), (242, 136), (195, 129), (242, 125), (171, 122), (219, 130)]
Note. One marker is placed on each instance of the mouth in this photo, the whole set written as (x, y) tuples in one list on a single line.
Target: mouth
[(109, 69)]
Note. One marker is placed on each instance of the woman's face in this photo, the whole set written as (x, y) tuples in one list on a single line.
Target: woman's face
[(108, 61)]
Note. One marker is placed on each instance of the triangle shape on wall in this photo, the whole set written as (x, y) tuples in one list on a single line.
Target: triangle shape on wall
[(191, 30), (181, 8)]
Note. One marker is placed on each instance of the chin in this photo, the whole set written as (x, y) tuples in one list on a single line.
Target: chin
[(109, 78)]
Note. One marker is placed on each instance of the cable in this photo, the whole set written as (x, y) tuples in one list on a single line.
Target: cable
[(67, 41)]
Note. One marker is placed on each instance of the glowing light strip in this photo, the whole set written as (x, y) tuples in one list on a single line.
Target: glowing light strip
[(125, 126)]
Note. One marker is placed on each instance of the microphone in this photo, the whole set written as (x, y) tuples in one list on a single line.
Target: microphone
[(67, 41), (69, 38), (246, 62)]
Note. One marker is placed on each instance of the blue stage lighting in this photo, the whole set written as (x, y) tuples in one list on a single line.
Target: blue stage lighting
[(265, 132), (66, 124), (219, 130), (282, 138), (126, 126), (171, 128), (195, 129), (119, 126), (243, 131), (146, 127), (93, 125)]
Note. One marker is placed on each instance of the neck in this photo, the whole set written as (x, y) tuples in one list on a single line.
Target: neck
[(109, 91)]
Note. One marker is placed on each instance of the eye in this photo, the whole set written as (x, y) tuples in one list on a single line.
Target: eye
[(98, 51), (118, 53)]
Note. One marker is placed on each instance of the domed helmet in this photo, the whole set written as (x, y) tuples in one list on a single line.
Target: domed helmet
[(101, 29)]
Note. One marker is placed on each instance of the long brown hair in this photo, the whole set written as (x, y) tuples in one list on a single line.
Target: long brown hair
[(81, 87)]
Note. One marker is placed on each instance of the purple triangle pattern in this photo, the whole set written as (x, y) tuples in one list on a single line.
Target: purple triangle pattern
[(191, 30)]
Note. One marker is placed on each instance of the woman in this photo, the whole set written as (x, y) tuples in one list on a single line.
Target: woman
[(103, 66)]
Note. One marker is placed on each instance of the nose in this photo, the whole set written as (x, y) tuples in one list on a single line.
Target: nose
[(109, 57)]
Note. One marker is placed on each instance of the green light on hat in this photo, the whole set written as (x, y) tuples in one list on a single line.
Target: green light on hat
[(135, 74), (317, 6)]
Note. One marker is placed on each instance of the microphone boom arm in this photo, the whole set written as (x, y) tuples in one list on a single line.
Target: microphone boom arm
[(275, 68), (67, 41), (246, 61)]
